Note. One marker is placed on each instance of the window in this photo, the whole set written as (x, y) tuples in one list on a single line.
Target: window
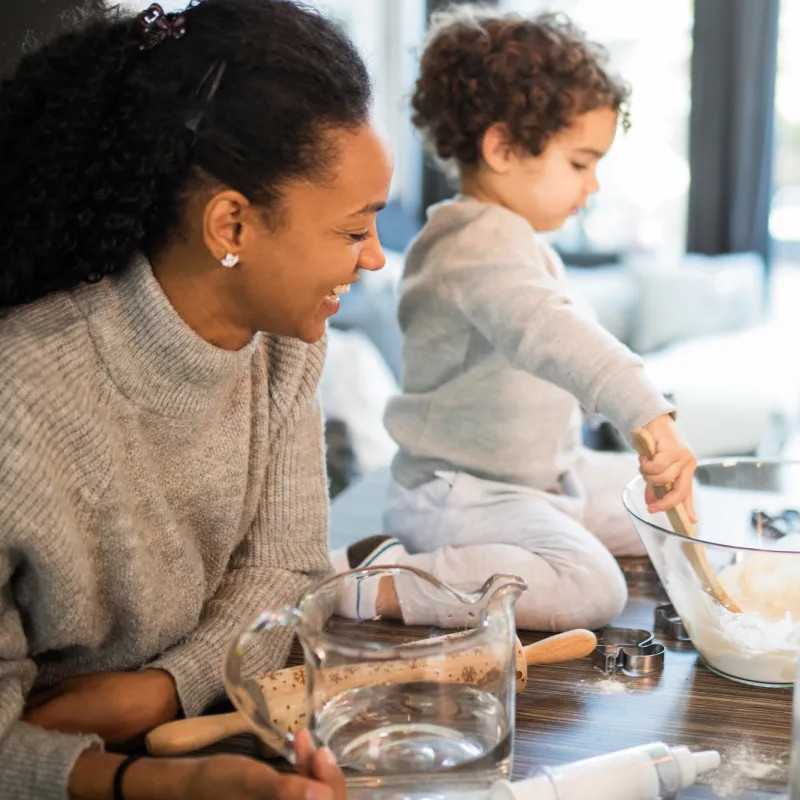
[(784, 220), (388, 34), (644, 180)]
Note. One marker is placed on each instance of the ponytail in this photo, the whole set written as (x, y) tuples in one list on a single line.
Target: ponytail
[(85, 164), (97, 150)]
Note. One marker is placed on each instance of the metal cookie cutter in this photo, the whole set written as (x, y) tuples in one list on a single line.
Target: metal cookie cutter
[(630, 649), (776, 525), (669, 624)]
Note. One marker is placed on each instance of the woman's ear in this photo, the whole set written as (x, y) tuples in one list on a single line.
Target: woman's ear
[(222, 222), (497, 149)]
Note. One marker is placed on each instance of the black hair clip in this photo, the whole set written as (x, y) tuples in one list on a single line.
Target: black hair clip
[(159, 26), (204, 97)]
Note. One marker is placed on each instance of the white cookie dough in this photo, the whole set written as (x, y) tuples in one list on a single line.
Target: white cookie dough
[(761, 643)]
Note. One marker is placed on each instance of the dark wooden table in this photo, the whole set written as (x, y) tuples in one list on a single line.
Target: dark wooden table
[(570, 711)]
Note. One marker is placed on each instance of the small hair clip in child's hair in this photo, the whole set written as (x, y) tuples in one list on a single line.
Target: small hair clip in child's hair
[(158, 26)]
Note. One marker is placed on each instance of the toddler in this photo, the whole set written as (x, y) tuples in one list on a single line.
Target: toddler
[(491, 476)]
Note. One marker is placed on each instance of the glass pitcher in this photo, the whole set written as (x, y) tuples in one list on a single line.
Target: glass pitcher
[(408, 713)]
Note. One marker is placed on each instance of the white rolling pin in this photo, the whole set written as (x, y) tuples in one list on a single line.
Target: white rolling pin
[(285, 689), (654, 771)]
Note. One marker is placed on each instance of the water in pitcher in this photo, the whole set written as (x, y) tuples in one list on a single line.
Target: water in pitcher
[(417, 741)]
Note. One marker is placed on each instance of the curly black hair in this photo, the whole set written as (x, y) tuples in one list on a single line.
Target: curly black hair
[(480, 67), (97, 158)]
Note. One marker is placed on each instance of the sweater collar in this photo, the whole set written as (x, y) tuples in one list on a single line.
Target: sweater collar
[(154, 358)]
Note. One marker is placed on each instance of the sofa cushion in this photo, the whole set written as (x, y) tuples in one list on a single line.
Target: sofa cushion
[(610, 291), (694, 296), (356, 384), (730, 389)]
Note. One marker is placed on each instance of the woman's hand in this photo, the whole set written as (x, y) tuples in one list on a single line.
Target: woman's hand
[(673, 466), (117, 706), (240, 778), (231, 777), (318, 764)]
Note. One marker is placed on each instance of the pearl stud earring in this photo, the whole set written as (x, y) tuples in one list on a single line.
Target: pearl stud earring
[(230, 260)]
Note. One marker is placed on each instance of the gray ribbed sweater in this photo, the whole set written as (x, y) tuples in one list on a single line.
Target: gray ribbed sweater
[(155, 492)]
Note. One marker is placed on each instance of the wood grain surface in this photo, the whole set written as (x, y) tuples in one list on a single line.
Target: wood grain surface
[(570, 711)]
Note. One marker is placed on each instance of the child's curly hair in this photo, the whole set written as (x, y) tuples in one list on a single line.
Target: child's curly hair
[(535, 74)]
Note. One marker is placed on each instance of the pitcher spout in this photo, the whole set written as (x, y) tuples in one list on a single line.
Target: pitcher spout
[(501, 592)]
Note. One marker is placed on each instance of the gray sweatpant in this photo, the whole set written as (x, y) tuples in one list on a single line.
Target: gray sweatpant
[(463, 529)]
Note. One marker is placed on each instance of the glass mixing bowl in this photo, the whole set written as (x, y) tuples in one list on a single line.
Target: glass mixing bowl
[(748, 515)]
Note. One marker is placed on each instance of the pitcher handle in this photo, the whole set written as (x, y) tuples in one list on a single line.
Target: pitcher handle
[(246, 695)]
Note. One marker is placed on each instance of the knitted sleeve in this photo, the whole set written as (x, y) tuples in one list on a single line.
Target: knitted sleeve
[(505, 287), (35, 764), (284, 553)]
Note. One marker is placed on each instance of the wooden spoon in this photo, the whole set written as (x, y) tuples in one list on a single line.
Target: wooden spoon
[(681, 523), (186, 735), (560, 647)]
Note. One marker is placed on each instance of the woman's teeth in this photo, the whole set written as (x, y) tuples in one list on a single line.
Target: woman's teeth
[(342, 288)]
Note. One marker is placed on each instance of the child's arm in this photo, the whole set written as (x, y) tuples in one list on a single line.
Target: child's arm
[(512, 298), (526, 315)]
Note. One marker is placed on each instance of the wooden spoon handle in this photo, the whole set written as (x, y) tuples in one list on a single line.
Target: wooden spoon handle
[(681, 523), (561, 647), (678, 516), (186, 735)]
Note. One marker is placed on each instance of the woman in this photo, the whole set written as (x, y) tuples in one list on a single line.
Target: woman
[(185, 198)]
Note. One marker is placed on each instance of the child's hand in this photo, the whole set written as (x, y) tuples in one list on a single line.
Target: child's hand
[(672, 466)]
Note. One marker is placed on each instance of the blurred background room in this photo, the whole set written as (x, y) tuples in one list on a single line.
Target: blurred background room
[(690, 253)]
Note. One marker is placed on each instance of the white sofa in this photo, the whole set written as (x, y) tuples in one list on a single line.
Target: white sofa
[(700, 326)]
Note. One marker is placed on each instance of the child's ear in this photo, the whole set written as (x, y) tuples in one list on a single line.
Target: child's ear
[(497, 149)]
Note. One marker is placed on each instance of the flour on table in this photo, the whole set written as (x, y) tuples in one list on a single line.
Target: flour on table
[(743, 765), (608, 686)]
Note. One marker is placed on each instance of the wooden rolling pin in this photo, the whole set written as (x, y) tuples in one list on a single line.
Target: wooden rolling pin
[(286, 693), (681, 523)]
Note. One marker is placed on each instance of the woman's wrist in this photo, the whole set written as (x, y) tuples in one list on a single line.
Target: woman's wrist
[(155, 779), (92, 777)]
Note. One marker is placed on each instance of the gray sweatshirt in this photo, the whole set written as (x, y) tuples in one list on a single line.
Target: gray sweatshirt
[(155, 493), (497, 358)]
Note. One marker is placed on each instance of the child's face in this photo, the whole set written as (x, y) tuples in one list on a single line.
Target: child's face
[(548, 188)]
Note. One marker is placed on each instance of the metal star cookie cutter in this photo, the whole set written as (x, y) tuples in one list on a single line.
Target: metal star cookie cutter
[(631, 650)]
